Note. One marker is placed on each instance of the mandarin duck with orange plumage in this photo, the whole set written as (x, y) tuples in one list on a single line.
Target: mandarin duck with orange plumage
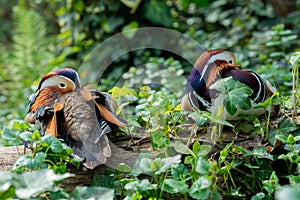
[(218, 64), (79, 116)]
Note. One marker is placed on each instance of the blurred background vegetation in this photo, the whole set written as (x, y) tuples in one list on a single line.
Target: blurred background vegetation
[(37, 36)]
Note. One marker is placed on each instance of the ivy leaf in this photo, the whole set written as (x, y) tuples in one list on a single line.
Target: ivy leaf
[(258, 196), (201, 150), (130, 29), (288, 192), (99, 193), (157, 12), (6, 191), (117, 92), (168, 163), (103, 180), (33, 183), (202, 116), (111, 23), (30, 162), (123, 168), (181, 148), (202, 166), (51, 141), (26, 136), (199, 118), (285, 128), (272, 184), (295, 58), (236, 94), (142, 164), (200, 189), (11, 136), (259, 152), (20, 125), (179, 171), (268, 101), (173, 186), (138, 185), (159, 140)]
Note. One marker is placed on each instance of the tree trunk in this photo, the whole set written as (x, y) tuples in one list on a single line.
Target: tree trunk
[(9, 155)]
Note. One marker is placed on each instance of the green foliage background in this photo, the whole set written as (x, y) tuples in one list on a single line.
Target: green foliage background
[(34, 40)]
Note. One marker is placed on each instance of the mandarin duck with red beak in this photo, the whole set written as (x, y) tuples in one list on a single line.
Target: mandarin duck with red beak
[(217, 64), (81, 117)]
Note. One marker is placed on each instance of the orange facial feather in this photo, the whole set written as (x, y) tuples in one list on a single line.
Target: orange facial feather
[(46, 96), (215, 70)]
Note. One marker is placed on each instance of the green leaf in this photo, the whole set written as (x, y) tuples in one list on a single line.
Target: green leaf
[(142, 164), (258, 196), (202, 116), (157, 12), (99, 193), (130, 29), (289, 38), (180, 148), (201, 150), (117, 92), (268, 101), (224, 153), (273, 43), (200, 189), (179, 172), (9, 134), (111, 23), (123, 168), (272, 184), (168, 163), (159, 140), (291, 139), (259, 152), (235, 100), (131, 3), (284, 128), (173, 186), (199, 118), (236, 94), (33, 183), (138, 185), (51, 141), (26, 136), (103, 180), (6, 189), (36, 135), (295, 58), (202, 166), (288, 192), (30, 162)]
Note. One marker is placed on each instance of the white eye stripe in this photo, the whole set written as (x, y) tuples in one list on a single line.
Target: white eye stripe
[(57, 80), (261, 94)]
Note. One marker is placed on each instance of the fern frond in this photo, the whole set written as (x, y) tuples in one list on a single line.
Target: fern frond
[(27, 58)]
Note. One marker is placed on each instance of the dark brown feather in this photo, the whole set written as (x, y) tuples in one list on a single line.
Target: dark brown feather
[(82, 128)]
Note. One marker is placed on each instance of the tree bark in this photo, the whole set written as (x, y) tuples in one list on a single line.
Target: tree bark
[(9, 155), (83, 176)]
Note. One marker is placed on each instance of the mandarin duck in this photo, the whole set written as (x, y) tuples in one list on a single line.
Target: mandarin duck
[(217, 64), (81, 117)]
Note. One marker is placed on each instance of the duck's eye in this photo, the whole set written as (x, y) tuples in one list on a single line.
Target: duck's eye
[(62, 85), (230, 61)]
